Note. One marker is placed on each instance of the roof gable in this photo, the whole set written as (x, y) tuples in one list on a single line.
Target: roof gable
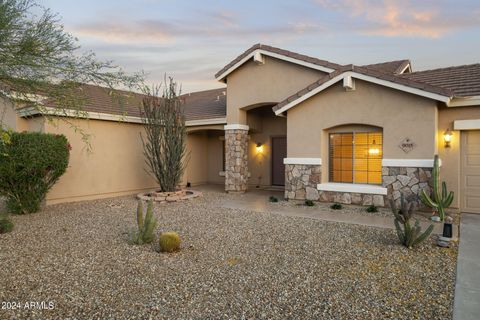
[(278, 53), (369, 75)]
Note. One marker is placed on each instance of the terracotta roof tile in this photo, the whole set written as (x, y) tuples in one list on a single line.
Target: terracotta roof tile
[(283, 52), (200, 105), (463, 81)]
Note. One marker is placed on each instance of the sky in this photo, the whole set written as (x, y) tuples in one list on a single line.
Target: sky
[(192, 40)]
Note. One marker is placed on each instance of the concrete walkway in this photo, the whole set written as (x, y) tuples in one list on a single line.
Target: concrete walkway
[(257, 200), (467, 287)]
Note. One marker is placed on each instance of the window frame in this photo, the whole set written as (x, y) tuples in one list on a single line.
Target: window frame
[(330, 156)]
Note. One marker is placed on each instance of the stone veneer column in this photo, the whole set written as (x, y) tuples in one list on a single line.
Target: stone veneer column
[(407, 180), (301, 181), (236, 158)]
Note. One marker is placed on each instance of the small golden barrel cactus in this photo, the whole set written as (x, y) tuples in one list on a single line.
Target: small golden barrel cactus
[(169, 242)]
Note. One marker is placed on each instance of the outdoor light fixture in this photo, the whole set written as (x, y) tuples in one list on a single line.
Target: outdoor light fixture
[(374, 150), (447, 137), (259, 147)]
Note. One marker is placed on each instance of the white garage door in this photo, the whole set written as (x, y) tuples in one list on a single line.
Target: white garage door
[(470, 176)]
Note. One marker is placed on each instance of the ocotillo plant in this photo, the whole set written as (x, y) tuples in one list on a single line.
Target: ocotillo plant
[(409, 236), (146, 226), (439, 200)]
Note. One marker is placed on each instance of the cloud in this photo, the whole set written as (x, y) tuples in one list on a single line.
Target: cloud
[(404, 18)]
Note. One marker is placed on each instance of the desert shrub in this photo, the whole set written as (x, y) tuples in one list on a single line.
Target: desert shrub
[(5, 224), (30, 164), (145, 225), (169, 242), (309, 203), (372, 208), (273, 199), (336, 206)]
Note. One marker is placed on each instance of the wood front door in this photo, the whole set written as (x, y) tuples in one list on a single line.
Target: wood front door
[(470, 171), (279, 152)]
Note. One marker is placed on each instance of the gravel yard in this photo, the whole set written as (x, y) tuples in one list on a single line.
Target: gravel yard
[(234, 264)]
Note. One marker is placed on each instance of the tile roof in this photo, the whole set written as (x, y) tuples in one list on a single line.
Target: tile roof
[(394, 67), (464, 80), (200, 105), (372, 72), (283, 52)]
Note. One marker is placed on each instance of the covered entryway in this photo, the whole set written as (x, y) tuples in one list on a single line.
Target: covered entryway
[(470, 172), (279, 152)]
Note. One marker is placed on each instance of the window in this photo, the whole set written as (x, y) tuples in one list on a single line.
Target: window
[(356, 157)]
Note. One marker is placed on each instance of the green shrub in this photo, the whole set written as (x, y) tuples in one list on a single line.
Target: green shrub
[(372, 208), (273, 199), (169, 242), (336, 206), (30, 164), (5, 224), (146, 225), (309, 203)]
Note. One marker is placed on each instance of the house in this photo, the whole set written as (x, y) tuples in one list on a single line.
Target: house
[(320, 130)]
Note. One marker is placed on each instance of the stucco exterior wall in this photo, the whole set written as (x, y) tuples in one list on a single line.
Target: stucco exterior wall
[(271, 82), (450, 171), (215, 158), (400, 115), (115, 166)]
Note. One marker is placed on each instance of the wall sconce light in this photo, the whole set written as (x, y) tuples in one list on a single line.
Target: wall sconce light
[(259, 147), (374, 150), (447, 137)]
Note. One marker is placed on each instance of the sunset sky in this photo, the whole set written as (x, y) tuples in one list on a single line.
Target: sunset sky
[(191, 40)]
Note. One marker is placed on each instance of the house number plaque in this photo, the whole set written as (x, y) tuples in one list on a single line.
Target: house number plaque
[(407, 145)]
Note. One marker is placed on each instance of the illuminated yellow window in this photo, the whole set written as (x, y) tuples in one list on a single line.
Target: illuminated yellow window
[(356, 157)]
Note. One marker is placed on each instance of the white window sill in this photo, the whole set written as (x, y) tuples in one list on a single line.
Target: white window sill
[(352, 187)]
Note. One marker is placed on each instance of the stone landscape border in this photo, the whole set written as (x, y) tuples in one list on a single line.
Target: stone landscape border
[(164, 197)]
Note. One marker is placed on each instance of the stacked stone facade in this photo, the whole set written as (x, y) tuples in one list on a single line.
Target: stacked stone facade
[(301, 183), (236, 160), (409, 181)]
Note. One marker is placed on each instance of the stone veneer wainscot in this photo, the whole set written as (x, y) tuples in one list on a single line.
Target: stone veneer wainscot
[(236, 160)]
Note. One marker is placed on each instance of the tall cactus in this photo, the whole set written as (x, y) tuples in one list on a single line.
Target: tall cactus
[(440, 200), (146, 226), (409, 236)]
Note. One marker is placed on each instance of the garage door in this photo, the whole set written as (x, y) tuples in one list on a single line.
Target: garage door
[(470, 176)]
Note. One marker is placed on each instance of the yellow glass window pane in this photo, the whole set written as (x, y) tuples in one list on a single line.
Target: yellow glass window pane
[(375, 177), (337, 176), (361, 151), (347, 151), (335, 139), (347, 164), (337, 164), (374, 164), (347, 176), (375, 138), (361, 164), (361, 138), (347, 139), (337, 152), (361, 177)]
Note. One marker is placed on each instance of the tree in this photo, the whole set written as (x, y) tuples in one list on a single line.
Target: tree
[(40, 60), (165, 138)]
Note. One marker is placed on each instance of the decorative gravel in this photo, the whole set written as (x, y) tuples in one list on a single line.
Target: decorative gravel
[(233, 264)]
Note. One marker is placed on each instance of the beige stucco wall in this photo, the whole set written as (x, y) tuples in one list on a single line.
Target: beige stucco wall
[(260, 164), (8, 116), (450, 171), (268, 83), (400, 115), (215, 157)]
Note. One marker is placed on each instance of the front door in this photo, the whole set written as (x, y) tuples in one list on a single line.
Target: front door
[(470, 172), (279, 152)]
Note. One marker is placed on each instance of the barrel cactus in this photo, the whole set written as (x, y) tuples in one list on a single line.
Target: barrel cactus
[(169, 242), (409, 236)]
